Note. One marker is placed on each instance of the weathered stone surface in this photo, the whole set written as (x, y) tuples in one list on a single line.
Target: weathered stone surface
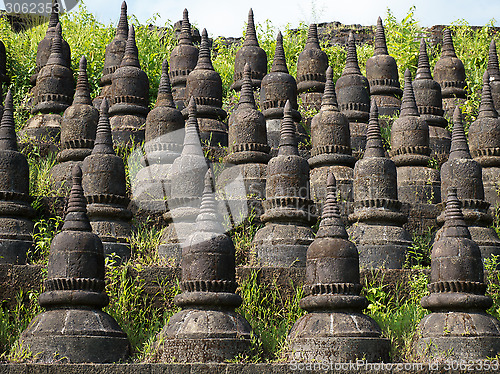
[(113, 57), (494, 73), (464, 174), (164, 136), (354, 98), (382, 75), (105, 189), (183, 60), (283, 241), (16, 213), (186, 177), (430, 107), (484, 141), (250, 53), (78, 128), (377, 219), (129, 103), (331, 150), (449, 72), (334, 329), (418, 184), (458, 327), (74, 328), (207, 329)]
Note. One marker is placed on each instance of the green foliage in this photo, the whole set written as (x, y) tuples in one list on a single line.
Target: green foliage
[(419, 253), (492, 266), (45, 230)]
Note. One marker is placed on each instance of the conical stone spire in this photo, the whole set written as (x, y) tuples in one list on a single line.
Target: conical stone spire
[(383, 77), (130, 96), (186, 176), (8, 139), (449, 72), (250, 53), (207, 329), (78, 128), (113, 56), (430, 107), (334, 329), (74, 329), (204, 84), (105, 189), (287, 205), (164, 136), (494, 72), (457, 300), (277, 87), (353, 98), (377, 230), (331, 149), (465, 174), (484, 141)]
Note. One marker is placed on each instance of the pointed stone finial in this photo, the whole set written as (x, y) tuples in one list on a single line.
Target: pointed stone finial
[(82, 93), (165, 97), (56, 57), (122, 28), (448, 49), (247, 100), (131, 56), (459, 147), (54, 15), (380, 43), (408, 103), (374, 145), (288, 139), (331, 225), (329, 99), (487, 108), (185, 36), (209, 220), (251, 35), (351, 62), (192, 143), (76, 214), (424, 69), (453, 210), (204, 57), (103, 140), (312, 37), (493, 69), (8, 140), (279, 62)]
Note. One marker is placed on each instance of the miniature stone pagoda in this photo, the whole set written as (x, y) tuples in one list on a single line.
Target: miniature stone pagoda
[(250, 53), (207, 329), (204, 84), (115, 51), (430, 107), (277, 87), (449, 72), (283, 241), (458, 327), (418, 184), (311, 68), (44, 48), (331, 149), (377, 220), (494, 72), (53, 93), (335, 328), (248, 152), (484, 141), (78, 129), (186, 178), (16, 213), (164, 136), (382, 75), (105, 189), (130, 96), (74, 328), (465, 174), (354, 98), (183, 59)]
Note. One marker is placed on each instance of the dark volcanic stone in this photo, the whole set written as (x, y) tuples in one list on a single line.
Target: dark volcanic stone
[(494, 72)]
